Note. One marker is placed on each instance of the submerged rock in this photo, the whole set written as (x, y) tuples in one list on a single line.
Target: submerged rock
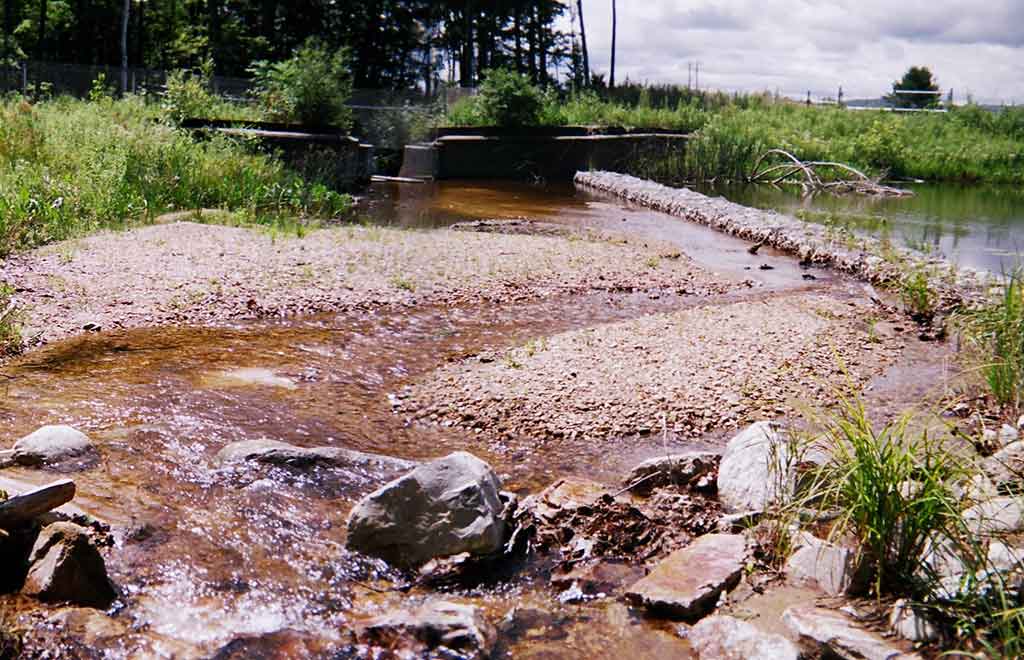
[(726, 638), (65, 566), (442, 508), (52, 446), (688, 582), (835, 634), (755, 470), (694, 469), (273, 452), (436, 629)]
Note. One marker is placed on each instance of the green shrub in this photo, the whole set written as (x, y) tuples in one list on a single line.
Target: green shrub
[(507, 98), (187, 94), (312, 87)]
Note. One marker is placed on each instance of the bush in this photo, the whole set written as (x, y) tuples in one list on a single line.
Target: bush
[(508, 98), (312, 87), (187, 94)]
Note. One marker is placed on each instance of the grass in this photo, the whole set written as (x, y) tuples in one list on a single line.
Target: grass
[(967, 144), (996, 334), (70, 167), (892, 493)]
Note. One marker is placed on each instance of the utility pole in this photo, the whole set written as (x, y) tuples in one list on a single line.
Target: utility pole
[(689, 75), (615, 25), (696, 75), (583, 37)]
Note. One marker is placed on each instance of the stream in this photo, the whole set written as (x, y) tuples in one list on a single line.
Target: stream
[(207, 554)]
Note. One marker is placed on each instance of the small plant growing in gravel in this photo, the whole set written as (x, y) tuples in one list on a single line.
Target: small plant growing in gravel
[(402, 283), (11, 342), (917, 295)]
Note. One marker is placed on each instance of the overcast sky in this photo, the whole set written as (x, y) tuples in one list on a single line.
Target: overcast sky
[(798, 45)]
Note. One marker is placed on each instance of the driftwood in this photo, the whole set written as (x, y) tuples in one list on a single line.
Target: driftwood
[(24, 508), (809, 178)]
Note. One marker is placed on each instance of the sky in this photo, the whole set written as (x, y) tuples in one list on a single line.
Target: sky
[(795, 46)]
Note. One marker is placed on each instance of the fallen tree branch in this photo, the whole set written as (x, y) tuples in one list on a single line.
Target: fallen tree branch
[(859, 182)]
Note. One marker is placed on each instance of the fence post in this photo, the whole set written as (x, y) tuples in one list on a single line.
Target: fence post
[(24, 77)]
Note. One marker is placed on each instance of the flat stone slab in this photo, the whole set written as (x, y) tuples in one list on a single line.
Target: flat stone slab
[(726, 638), (831, 632), (688, 582)]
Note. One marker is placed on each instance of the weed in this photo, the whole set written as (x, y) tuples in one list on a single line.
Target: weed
[(11, 342), (996, 332), (402, 283), (916, 293)]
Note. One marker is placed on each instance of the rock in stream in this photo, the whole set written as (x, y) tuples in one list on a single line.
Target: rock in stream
[(445, 507)]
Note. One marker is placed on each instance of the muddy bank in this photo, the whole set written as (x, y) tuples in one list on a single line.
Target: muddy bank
[(865, 258), (711, 368), (186, 273)]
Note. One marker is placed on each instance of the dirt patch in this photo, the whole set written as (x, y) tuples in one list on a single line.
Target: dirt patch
[(713, 367), (207, 274)]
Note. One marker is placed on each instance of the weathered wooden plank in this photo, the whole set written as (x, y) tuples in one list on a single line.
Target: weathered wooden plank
[(20, 509)]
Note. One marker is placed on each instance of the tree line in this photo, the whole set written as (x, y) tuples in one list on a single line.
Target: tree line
[(392, 43)]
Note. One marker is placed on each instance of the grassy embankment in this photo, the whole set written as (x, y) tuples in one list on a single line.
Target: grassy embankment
[(966, 144)]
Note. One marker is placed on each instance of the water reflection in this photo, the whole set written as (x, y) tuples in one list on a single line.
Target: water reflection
[(975, 226)]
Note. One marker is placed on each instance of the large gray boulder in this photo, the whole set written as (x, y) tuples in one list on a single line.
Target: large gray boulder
[(445, 507), (436, 629), (65, 566), (727, 638), (827, 566), (689, 581), (274, 452), (1006, 467), (756, 469), (50, 446), (995, 515)]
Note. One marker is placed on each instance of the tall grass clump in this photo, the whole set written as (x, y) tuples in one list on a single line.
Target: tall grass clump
[(996, 332), (891, 490), (70, 167), (895, 494)]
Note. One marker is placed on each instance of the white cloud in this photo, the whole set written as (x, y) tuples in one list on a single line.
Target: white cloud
[(799, 45)]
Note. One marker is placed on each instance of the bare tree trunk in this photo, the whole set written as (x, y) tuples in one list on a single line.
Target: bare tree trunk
[(124, 45), (8, 26), (615, 25), (42, 29), (583, 37)]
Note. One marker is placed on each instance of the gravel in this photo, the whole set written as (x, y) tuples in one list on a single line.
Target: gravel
[(704, 369), (188, 273)]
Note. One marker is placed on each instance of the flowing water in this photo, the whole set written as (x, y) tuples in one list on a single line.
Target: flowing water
[(206, 553), (976, 226)]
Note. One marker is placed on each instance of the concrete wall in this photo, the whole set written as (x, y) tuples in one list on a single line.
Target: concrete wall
[(546, 155)]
